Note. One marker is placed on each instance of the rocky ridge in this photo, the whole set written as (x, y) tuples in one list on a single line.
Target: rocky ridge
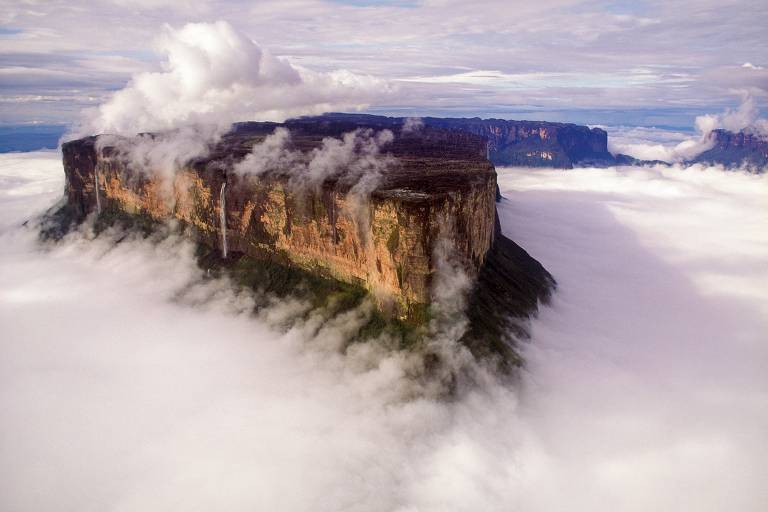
[(567, 146), (511, 143)]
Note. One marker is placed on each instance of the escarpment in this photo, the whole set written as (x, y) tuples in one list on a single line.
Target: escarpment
[(734, 149), (513, 143), (340, 199), (536, 143)]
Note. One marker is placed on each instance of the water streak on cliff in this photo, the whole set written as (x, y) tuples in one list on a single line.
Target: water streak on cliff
[(96, 190), (223, 219)]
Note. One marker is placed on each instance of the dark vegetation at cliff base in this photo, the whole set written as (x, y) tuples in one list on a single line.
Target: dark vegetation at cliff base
[(268, 278), (508, 291), (505, 294)]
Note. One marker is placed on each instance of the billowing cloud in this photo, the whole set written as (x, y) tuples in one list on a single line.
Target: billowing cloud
[(213, 74), (746, 117)]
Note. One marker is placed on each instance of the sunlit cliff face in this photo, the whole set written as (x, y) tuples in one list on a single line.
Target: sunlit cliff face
[(357, 206), (127, 383)]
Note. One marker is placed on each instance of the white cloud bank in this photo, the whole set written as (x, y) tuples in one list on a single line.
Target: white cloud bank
[(213, 74), (645, 388)]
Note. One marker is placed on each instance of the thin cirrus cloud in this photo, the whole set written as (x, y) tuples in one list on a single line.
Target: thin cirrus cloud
[(681, 58)]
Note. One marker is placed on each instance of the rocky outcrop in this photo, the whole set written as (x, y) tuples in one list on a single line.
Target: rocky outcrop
[(513, 143), (437, 191), (735, 150), (535, 143)]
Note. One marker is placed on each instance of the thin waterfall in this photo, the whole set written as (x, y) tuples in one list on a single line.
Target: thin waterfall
[(223, 219), (96, 188)]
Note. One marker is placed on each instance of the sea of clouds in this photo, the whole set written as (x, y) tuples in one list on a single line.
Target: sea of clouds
[(127, 382)]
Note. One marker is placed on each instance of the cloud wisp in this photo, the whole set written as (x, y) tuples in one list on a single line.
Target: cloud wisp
[(744, 118), (357, 157)]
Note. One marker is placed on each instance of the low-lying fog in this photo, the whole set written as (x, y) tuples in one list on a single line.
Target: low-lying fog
[(126, 384)]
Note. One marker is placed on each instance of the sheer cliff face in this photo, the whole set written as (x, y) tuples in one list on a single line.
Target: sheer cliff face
[(510, 143), (439, 186), (535, 143), (735, 149)]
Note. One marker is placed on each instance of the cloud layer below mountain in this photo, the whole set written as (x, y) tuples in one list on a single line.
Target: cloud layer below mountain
[(128, 383)]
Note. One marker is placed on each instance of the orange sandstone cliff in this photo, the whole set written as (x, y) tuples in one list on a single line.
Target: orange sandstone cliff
[(383, 219)]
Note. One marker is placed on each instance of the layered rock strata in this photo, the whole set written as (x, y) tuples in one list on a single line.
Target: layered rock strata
[(436, 189), (509, 142)]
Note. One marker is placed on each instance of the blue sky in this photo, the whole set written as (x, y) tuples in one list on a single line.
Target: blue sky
[(645, 62)]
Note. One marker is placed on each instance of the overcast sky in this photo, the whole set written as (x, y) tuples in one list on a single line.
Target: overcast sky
[(628, 62)]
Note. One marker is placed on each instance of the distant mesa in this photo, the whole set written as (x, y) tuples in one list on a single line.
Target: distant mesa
[(739, 149), (567, 146), (514, 143)]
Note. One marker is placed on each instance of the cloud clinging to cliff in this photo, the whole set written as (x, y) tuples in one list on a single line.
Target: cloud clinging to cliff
[(357, 157), (746, 117), (213, 74)]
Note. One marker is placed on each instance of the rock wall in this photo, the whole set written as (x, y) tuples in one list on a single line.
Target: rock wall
[(509, 143), (535, 143), (440, 188)]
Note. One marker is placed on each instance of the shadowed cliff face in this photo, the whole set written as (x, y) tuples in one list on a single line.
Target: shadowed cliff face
[(376, 208), (509, 143), (736, 149), (535, 143)]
